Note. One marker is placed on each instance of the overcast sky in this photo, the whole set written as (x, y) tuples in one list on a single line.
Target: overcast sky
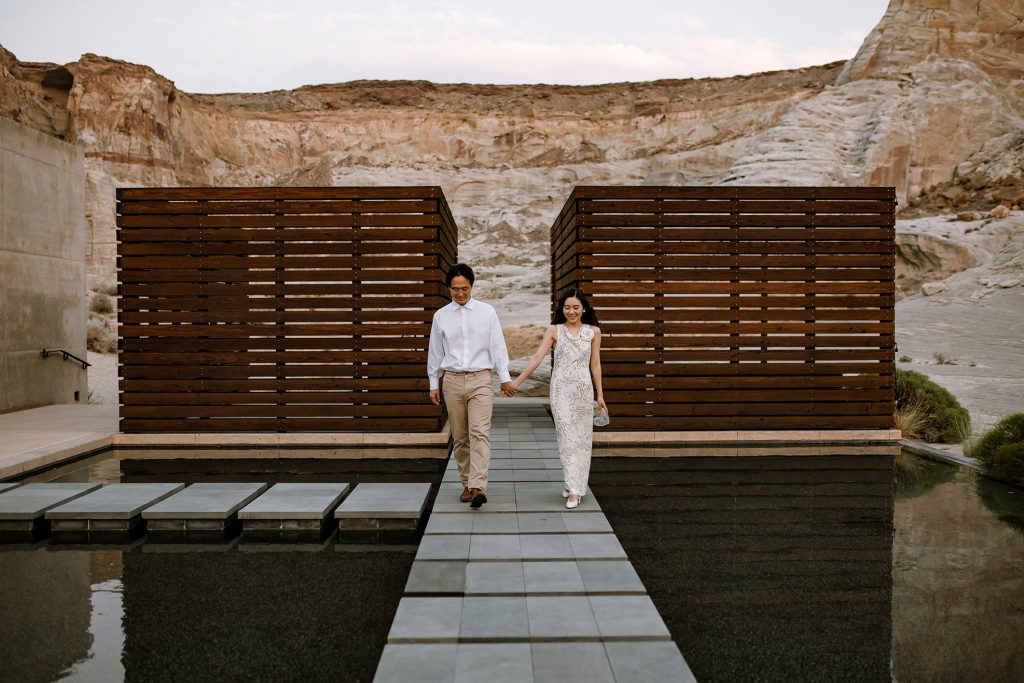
[(260, 45)]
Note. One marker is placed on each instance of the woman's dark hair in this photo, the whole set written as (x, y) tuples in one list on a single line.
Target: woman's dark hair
[(589, 317), (457, 270)]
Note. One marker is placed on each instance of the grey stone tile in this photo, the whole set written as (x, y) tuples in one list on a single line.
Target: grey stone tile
[(530, 475), (444, 547), (495, 547), (541, 522), (645, 662), (552, 577), (385, 501), (596, 547), (560, 618), (33, 500), (501, 463), (494, 618), (433, 663), (427, 620), (628, 616), (610, 576), (524, 445), (8, 485), (450, 523), (571, 663), (205, 501), (493, 663), (501, 475), (114, 501), (507, 523), (296, 501), (437, 577), (495, 577), (546, 547), (577, 521)]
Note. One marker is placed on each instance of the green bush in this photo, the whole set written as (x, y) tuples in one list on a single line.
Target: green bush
[(944, 420), (1001, 449)]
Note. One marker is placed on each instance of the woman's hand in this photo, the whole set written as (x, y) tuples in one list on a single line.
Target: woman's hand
[(601, 404)]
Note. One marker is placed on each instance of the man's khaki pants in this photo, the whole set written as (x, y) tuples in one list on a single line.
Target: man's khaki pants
[(469, 397)]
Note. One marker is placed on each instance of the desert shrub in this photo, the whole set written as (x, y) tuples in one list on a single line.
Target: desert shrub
[(101, 303), (98, 335), (944, 419), (108, 289), (1001, 449)]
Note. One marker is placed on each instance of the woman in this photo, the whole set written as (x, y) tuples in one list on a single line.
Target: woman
[(575, 382)]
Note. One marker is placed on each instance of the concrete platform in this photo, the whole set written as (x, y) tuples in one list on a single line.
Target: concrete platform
[(8, 486), (523, 589), (204, 512), (23, 508), (381, 511), (112, 514), (293, 512)]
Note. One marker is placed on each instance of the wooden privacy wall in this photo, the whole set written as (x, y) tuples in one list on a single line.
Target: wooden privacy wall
[(280, 309), (737, 308)]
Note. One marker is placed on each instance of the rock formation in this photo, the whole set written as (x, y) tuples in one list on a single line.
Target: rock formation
[(933, 104)]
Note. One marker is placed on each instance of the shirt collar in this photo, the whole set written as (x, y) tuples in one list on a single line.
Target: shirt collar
[(470, 305)]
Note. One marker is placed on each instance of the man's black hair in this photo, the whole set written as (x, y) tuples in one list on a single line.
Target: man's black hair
[(457, 270)]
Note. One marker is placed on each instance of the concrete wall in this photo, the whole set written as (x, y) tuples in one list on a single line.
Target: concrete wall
[(42, 268)]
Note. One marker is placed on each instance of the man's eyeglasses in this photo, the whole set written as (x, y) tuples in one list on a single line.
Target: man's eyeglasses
[(460, 290)]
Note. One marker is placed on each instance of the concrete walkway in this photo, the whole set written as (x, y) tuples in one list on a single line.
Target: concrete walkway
[(523, 589), (40, 437)]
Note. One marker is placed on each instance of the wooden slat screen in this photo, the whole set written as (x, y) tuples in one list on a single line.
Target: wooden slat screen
[(737, 308), (279, 309)]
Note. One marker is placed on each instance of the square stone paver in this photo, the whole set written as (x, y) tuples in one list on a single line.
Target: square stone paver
[(611, 576), (401, 663), (296, 501), (496, 524), (493, 663), (552, 577), (494, 618), (450, 523), (628, 616), (384, 501), (546, 547), (207, 500), (114, 501), (495, 547), (572, 663), (423, 620), (437, 577), (560, 618), (444, 547), (596, 547), (495, 577), (33, 500), (541, 523), (586, 522), (645, 662)]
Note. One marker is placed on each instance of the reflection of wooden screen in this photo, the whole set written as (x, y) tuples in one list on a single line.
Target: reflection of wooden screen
[(737, 308), (279, 309)]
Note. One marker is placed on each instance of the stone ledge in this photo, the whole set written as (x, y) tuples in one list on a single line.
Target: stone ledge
[(604, 439)]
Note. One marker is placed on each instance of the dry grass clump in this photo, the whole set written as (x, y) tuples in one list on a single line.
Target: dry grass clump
[(99, 335)]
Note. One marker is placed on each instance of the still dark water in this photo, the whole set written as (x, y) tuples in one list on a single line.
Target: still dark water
[(837, 568)]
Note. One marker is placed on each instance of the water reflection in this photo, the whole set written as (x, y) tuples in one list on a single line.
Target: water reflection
[(764, 568), (958, 579), (103, 661)]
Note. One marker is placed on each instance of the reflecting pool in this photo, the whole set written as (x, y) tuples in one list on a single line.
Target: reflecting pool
[(838, 568)]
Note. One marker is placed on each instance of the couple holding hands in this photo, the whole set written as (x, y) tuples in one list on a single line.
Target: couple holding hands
[(466, 345)]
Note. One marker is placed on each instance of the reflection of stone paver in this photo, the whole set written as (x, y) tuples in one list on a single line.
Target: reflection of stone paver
[(522, 589)]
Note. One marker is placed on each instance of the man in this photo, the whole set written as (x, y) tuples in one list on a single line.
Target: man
[(466, 345)]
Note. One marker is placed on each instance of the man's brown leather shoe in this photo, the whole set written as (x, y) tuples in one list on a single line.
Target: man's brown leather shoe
[(477, 498), (466, 495)]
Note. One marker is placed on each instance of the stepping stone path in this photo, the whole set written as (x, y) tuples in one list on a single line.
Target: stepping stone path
[(23, 508), (202, 512), (377, 509), (293, 512), (523, 589), (112, 514)]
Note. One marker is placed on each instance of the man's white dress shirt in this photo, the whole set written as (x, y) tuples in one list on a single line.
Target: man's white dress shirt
[(466, 339)]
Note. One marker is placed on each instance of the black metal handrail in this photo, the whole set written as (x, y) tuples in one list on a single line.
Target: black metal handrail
[(67, 355)]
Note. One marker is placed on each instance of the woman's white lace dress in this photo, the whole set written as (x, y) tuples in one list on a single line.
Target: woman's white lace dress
[(572, 405)]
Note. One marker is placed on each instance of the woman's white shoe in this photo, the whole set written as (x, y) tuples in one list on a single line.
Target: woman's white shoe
[(570, 503), (565, 493)]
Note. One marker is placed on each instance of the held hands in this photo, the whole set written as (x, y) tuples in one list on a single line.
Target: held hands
[(509, 389)]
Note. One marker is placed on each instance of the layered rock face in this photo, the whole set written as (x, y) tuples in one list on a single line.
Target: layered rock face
[(931, 104)]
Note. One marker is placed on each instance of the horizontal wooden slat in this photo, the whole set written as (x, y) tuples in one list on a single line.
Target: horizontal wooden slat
[(279, 309), (737, 307)]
